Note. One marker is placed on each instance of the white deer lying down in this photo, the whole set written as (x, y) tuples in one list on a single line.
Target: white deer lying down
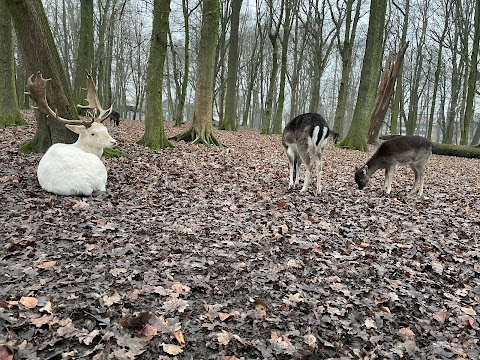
[(304, 136), (73, 169), (403, 150)]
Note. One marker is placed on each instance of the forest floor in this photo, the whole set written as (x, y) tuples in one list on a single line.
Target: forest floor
[(203, 253)]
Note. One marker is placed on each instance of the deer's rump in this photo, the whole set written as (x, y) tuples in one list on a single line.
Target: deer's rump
[(67, 170)]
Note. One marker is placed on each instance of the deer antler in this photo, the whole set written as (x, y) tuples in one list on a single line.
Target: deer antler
[(37, 90), (93, 102)]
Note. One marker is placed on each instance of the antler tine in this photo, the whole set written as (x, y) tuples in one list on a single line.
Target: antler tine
[(94, 102), (37, 90)]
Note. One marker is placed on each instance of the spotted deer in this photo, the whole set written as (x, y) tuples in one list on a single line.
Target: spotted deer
[(305, 137), (403, 150)]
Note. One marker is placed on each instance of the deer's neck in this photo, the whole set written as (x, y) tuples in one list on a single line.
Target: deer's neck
[(373, 165), (92, 150)]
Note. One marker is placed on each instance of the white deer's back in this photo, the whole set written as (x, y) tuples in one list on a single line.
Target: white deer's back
[(67, 170)]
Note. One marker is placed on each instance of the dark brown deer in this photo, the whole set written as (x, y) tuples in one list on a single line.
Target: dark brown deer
[(403, 150)]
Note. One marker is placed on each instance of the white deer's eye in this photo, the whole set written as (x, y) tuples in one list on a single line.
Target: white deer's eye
[(93, 134)]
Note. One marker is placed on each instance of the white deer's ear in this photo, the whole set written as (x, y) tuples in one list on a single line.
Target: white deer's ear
[(76, 128)]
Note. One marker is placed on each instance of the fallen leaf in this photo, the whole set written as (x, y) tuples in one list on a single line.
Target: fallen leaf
[(224, 337), (224, 316), (441, 316), (149, 331), (179, 336), (5, 353), (47, 264), (172, 349), (469, 310), (406, 334), (29, 302)]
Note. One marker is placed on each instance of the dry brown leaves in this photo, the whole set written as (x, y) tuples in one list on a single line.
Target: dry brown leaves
[(199, 253)]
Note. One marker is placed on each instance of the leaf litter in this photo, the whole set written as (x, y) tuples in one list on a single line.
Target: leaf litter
[(203, 253)]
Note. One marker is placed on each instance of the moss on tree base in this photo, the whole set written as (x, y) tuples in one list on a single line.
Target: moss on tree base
[(12, 120), (164, 143)]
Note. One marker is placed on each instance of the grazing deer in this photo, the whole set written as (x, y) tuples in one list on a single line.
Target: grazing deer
[(403, 150), (73, 169), (115, 117), (304, 136)]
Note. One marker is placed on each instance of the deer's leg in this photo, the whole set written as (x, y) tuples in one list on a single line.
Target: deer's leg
[(305, 156), (389, 173), (419, 171), (298, 162), (291, 154), (318, 160)]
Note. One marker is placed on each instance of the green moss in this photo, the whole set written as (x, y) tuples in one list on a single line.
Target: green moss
[(115, 153), (12, 120), (28, 147), (456, 150)]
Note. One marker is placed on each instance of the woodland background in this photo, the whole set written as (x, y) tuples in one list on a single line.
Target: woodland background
[(292, 57)]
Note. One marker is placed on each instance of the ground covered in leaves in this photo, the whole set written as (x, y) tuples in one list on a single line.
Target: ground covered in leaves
[(203, 253)]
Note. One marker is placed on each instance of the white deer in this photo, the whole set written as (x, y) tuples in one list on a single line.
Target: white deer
[(304, 136), (403, 150), (73, 169)]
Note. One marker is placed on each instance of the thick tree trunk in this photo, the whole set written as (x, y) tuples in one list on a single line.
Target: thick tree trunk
[(358, 132), (36, 41), (201, 130), (154, 136), (9, 111)]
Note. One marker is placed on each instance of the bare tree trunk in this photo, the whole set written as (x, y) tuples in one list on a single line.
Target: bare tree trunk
[(287, 26), (201, 130), (384, 95), (472, 79), (398, 97), (437, 76), (84, 60), (9, 111), (414, 93), (273, 36), (358, 132), (154, 136), (37, 44), (345, 48), (230, 117)]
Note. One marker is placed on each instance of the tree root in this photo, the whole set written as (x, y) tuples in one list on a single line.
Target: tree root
[(191, 135)]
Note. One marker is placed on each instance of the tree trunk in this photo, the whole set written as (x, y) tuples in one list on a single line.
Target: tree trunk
[(414, 92), (273, 36), (384, 95), (230, 116), (154, 136), (36, 42), (84, 60), (9, 111), (436, 80), (287, 26), (201, 130), (358, 132), (398, 97), (472, 79), (346, 54)]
